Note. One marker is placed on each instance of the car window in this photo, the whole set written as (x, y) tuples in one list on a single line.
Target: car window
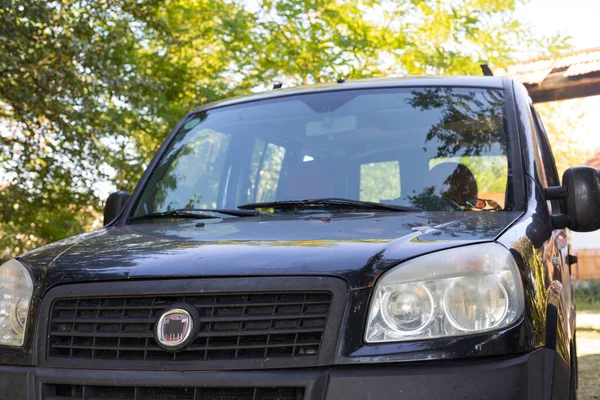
[(435, 148), (380, 181), (490, 174), (546, 151), (266, 163), (545, 159), (193, 176), (537, 152)]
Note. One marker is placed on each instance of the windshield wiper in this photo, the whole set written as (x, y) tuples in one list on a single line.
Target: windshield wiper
[(196, 213), (329, 202)]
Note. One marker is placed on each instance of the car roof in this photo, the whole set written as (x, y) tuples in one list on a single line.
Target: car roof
[(373, 83)]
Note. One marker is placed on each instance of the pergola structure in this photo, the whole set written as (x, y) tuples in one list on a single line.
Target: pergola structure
[(561, 77)]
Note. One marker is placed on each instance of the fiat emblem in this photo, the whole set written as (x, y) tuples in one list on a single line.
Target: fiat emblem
[(174, 328)]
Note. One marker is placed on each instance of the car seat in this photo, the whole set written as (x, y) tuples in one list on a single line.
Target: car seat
[(310, 180)]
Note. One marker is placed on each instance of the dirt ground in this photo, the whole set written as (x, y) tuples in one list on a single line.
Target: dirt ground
[(588, 355)]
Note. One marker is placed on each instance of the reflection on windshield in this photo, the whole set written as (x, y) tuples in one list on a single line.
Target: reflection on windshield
[(437, 149)]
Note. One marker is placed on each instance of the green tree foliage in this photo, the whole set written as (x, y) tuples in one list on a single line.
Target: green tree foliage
[(89, 89), (197, 62), (65, 78), (308, 41), (87, 92)]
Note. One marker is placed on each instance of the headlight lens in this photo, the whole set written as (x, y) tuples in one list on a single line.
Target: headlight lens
[(408, 310), (476, 303), (454, 292), (16, 289)]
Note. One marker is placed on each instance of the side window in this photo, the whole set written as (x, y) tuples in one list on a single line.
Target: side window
[(546, 151), (380, 181), (545, 164), (538, 155), (265, 169)]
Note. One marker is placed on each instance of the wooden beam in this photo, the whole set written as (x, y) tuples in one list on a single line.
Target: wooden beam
[(558, 87)]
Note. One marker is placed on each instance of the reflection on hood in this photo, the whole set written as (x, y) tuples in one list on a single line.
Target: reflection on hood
[(353, 246)]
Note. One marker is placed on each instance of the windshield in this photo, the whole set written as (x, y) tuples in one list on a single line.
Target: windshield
[(435, 149)]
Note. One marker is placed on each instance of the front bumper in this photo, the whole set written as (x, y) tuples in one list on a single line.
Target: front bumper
[(529, 376)]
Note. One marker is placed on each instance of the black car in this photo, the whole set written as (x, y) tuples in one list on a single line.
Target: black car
[(382, 239)]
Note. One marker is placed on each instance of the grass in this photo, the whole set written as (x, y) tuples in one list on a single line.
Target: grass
[(587, 308), (583, 307), (588, 349), (587, 295)]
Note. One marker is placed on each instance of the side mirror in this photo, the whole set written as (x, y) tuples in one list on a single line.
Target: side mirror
[(580, 193), (114, 205)]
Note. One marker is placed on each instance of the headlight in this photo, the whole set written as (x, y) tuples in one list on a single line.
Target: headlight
[(454, 292), (16, 289)]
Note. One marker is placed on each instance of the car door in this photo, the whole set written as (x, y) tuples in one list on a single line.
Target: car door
[(560, 247)]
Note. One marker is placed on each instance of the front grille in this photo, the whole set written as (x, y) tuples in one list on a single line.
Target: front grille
[(85, 392), (242, 326)]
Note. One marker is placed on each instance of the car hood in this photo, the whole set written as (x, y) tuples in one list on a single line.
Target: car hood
[(357, 247)]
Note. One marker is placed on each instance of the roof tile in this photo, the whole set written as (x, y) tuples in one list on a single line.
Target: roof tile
[(569, 65)]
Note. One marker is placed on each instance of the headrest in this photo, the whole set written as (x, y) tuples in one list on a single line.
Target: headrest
[(454, 181), (310, 180)]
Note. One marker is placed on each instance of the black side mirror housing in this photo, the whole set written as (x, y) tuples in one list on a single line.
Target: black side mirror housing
[(114, 205), (580, 194)]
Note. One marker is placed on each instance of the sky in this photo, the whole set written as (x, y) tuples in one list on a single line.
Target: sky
[(575, 18), (579, 20)]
